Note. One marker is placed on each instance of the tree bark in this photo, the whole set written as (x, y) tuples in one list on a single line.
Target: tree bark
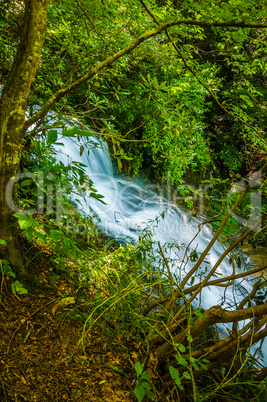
[(13, 104), (214, 315)]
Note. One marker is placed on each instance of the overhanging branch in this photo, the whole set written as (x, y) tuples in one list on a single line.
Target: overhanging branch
[(128, 49)]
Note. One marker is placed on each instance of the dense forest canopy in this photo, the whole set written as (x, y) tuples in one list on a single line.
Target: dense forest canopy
[(178, 90)]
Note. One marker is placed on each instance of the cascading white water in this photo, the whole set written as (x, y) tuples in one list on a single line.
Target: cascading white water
[(130, 208)]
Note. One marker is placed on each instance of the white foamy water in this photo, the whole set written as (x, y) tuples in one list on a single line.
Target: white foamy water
[(130, 208)]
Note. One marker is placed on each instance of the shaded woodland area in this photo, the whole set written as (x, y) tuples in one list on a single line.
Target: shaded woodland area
[(177, 89)]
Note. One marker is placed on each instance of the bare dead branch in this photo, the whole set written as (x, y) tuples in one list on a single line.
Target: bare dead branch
[(191, 289)]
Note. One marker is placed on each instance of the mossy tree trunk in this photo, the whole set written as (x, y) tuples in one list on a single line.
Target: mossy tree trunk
[(13, 104)]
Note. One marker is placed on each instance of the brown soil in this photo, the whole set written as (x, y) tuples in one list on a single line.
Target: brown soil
[(42, 360)]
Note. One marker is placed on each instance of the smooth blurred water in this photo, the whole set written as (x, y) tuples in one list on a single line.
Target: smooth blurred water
[(131, 207)]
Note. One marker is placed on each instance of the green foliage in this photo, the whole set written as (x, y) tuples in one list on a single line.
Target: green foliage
[(142, 387), (219, 197), (231, 157), (176, 376), (163, 117), (47, 178), (120, 281), (151, 98), (10, 19), (7, 269), (240, 145), (16, 286), (110, 285), (167, 111)]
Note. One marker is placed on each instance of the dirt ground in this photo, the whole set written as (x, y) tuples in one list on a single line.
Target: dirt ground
[(42, 359)]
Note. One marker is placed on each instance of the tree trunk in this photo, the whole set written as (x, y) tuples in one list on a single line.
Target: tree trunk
[(13, 104)]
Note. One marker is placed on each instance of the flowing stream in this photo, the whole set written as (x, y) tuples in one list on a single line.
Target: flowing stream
[(131, 207)]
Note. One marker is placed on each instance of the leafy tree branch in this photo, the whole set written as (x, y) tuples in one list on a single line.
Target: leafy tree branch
[(128, 49)]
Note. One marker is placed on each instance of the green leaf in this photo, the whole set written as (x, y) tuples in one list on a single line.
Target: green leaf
[(26, 182), (52, 136), (138, 368), (187, 375), (21, 215), (114, 368), (39, 235), (7, 270), (181, 361), (199, 313), (193, 256), (17, 287), (2, 242), (139, 392), (36, 224), (174, 373), (180, 347), (56, 235), (37, 146), (28, 234), (145, 385), (191, 321), (189, 338), (203, 365), (150, 395), (176, 376), (95, 195), (85, 133), (98, 197), (144, 376), (194, 362), (72, 131), (79, 164), (25, 223), (192, 281), (119, 165)]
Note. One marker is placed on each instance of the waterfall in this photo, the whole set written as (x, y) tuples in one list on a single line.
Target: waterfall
[(130, 207)]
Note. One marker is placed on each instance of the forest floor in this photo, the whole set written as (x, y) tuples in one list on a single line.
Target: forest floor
[(43, 359), (48, 353)]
